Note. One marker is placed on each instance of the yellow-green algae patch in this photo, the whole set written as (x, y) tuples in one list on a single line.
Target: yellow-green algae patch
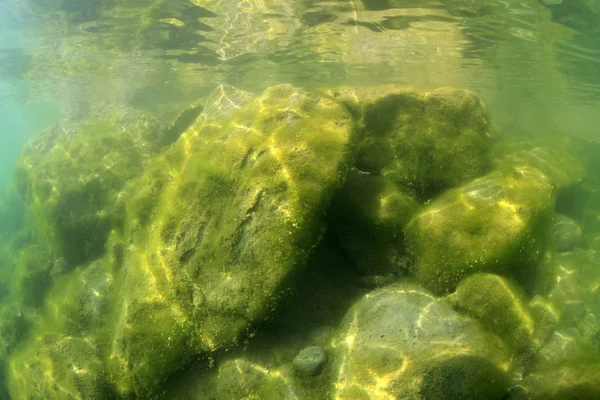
[(427, 141), (496, 223), (219, 222), (71, 177)]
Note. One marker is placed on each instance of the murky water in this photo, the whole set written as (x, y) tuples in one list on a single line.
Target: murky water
[(191, 230)]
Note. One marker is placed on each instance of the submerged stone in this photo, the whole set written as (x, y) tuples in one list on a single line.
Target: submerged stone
[(368, 216), (245, 380), (566, 233), (425, 141), (557, 158), (499, 305), (565, 368), (58, 367), (31, 278), (401, 342), (72, 180), (576, 290), (497, 223), (219, 224)]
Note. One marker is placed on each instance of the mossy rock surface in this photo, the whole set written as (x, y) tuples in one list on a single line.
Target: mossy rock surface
[(72, 177), (496, 223), (565, 368), (219, 224), (31, 278), (557, 157), (566, 233), (58, 367), (402, 342), (499, 305), (79, 303), (427, 141), (369, 215), (575, 293)]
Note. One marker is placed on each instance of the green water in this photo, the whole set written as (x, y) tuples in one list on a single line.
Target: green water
[(345, 199)]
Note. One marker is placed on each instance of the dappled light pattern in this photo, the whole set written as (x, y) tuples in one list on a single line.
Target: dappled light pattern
[(59, 367), (395, 336), (242, 379), (71, 177), (219, 222), (495, 223)]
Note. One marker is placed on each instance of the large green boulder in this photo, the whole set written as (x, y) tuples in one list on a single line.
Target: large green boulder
[(402, 342), (72, 177), (425, 141), (497, 223), (219, 224), (368, 216)]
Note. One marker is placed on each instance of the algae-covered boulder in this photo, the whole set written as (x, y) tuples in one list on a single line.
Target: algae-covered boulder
[(58, 367), (401, 342), (80, 302), (564, 369), (12, 327), (575, 293), (556, 157), (426, 141), (31, 278), (368, 216), (566, 233), (63, 357), (499, 305), (244, 380), (220, 223), (497, 223), (72, 179)]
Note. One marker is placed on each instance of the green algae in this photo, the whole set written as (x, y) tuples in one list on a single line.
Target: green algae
[(72, 181), (236, 205), (497, 223)]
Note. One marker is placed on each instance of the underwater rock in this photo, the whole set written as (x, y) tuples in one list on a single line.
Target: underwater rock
[(465, 378), (499, 305), (424, 141), (72, 180), (32, 276), (400, 342), (57, 367), (13, 325), (80, 302), (546, 317), (497, 223), (310, 361), (368, 216), (576, 290), (218, 225), (564, 368), (244, 380), (558, 162), (566, 233)]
